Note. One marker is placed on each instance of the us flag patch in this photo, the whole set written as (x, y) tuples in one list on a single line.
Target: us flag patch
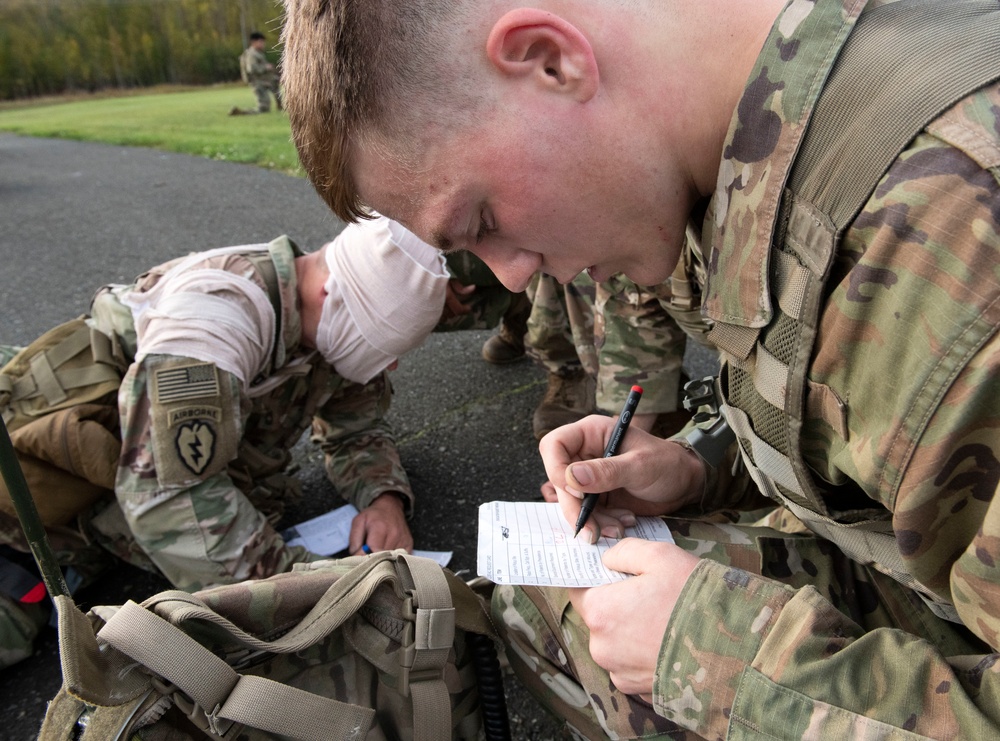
[(187, 382)]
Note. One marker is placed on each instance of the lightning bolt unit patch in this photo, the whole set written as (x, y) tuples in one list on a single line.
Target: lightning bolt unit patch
[(195, 442)]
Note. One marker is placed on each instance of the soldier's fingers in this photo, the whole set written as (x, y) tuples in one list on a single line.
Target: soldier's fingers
[(605, 523), (579, 441), (549, 492), (356, 539)]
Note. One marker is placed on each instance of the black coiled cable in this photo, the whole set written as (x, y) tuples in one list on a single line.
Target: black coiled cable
[(492, 701)]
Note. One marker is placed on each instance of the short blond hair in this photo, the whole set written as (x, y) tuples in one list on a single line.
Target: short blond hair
[(359, 69)]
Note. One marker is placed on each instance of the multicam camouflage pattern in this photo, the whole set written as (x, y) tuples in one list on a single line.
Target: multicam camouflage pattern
[(560, 335), (641, 333), (781, 634), (262, 78), (749, 571), (619, 332), (219, 528)]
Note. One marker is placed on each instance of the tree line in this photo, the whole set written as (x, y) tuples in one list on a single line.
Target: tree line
[(54, 46)]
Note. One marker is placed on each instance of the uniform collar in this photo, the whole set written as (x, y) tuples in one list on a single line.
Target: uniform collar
[(763, 139), (283, 252)]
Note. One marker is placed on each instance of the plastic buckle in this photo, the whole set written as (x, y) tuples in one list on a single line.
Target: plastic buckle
[(218, 726), (700, 393)]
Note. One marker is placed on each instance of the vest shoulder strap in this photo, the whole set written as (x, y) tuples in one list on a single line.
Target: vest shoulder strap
[(889, 83)]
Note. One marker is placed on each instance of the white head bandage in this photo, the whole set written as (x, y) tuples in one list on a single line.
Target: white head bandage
[(385, 294)]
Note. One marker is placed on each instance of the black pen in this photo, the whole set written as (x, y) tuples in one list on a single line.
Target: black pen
[(621, 426)]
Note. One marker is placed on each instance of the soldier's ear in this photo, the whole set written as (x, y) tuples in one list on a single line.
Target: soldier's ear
[(542, 49)]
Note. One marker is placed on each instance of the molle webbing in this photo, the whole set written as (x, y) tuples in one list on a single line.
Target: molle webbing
[(70, 364), (890, 81)]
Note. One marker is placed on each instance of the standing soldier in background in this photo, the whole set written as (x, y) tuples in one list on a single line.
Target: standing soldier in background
[(596, 340), (259, 74)]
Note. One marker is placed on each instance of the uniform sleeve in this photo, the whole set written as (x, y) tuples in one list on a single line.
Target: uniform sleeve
[(358, 443), (745, 652), (181, 425)]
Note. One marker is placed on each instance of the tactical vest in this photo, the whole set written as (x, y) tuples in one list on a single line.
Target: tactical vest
[(875, 102)]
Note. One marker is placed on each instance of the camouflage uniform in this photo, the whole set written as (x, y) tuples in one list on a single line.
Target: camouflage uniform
[(203, 476), (780, 634), (262, 78), (619, 332)]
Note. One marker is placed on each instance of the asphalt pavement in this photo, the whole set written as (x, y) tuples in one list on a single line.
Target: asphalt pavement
[(77, 215)]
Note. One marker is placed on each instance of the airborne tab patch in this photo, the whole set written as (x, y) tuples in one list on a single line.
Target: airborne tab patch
[(186, 382)]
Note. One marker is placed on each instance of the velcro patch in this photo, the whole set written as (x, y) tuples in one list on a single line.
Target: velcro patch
[(194, 381), (194, 413)]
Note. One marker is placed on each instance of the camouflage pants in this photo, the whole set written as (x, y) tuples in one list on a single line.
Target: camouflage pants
[(547, 642), (620, 333), (560, 334), (264, 91)]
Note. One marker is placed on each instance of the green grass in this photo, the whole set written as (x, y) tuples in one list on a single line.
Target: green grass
[(190, 121)]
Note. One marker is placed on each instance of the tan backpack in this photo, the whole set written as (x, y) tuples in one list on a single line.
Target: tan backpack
[(58, 397), (386, 646)]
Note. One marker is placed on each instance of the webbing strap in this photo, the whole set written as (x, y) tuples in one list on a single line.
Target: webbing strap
[(764, 457), (46, 379), (434, 635), (425, 648), (891, 81), (226, 696), (71, 346), (42, 381), (344, 598), (868, 542)]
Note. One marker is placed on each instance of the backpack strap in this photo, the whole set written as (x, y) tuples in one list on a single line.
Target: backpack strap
[(226, 696), (46, 376), (428, 632)]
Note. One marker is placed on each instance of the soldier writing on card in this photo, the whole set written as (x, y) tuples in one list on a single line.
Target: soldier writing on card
[(838, 164)]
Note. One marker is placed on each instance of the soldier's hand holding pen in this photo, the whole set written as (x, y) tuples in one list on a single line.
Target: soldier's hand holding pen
[(649, 476)]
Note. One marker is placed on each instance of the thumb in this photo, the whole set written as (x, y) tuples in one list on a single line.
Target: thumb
[(599, 474)]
